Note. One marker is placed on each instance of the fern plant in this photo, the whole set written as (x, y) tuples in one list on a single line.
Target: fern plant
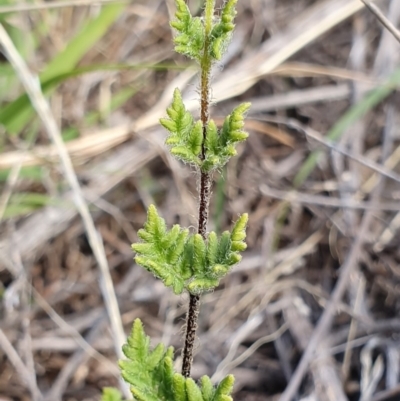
[(184, 261)]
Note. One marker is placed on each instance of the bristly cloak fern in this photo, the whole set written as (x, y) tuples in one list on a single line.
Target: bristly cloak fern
[(187, 261), (182, 260)]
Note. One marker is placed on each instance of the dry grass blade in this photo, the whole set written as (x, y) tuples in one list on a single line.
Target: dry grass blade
[(386, 394), (382, 18), (19, 365), (79, 149), (327, 201), (76, 336), (228, 364), (327, 383), (77, 359), (293, 69), (91, 145), (384, 170), (328, 314), (37, 230), (11, 181), (326, 319), (59, 4), (40, 104)]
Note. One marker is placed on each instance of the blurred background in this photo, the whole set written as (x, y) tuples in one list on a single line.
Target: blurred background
[(319, 177)]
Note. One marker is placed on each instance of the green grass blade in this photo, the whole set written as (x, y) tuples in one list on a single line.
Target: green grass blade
[(78, 47), (18, 113), (22, 105), (23, 203), (93, 117), (6, 70), (31, 199), (33, 173), (356, 112)]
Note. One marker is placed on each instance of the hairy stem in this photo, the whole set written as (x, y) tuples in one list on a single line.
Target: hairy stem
[(205, 192), (190, 337), (205, 188)]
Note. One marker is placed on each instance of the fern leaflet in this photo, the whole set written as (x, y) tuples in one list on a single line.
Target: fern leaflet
[(190, 36), (186, 137), (151, 374), (222, 31), (220, 146), (184, 261), (162, 252)]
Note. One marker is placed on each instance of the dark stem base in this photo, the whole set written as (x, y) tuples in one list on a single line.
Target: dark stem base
[(194, 302), (190, 338)]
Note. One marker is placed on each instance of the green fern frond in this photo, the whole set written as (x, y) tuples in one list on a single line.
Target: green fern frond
[(111, 394), (212, 141), (222, 31), (226, 253), (145, 369), (224, 247), (232, 129), (161, 250), (220, 147), (199, 260), (150, 372), (184, 261), (214, 258), (181, 121), (166, 378), (190, 36), (186, 137), (239, 233), (212, 248), (195, 139)]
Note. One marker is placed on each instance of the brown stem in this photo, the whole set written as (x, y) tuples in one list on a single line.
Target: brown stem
[(205, 186), (204, 195), (190, 337), (205, 192), (194, 302)]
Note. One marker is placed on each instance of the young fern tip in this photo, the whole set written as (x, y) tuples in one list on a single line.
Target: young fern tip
[(191, 35), (221, 32)]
